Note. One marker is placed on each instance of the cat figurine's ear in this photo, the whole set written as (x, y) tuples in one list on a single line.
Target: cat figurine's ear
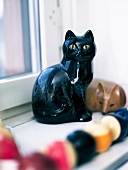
[(89, 34), (69, 34)]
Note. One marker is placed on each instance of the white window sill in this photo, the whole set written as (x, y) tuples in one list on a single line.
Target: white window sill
[(19, 119), (33, 136)]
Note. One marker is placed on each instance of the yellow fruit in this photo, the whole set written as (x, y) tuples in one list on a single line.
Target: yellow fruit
[(113, 124)]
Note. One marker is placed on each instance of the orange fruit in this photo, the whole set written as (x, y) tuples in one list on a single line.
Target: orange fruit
[(101, 134)]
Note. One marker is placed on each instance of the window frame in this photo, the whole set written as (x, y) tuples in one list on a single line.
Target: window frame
[(13, 88), (50, 32), (17, 91)]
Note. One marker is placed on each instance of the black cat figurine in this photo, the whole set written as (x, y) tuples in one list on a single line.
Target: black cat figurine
[(59, 91)]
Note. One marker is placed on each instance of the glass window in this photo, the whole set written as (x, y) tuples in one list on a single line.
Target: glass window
[(20, 59), (26, 45), (16, 44)]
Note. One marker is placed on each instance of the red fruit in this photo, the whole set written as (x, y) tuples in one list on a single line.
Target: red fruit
[(63, 153), (37, 161), (8, 148)]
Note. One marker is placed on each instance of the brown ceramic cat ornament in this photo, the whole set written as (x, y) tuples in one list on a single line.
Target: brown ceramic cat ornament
[(104, 96)]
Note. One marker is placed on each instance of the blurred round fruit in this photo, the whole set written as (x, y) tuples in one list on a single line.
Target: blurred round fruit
[(84, 144), (8, 148), (63, 153), (37, 161), (102, 135)]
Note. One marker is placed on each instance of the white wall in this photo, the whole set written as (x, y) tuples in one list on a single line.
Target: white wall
[(108, 19)]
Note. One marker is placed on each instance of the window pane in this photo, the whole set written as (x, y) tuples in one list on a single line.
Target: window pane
[(15, 47)]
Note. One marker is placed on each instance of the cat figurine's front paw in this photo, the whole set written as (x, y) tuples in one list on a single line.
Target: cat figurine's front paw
[(84, 116)]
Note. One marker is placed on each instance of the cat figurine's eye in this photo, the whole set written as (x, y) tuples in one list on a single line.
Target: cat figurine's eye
[(72, 47), (85, 47)]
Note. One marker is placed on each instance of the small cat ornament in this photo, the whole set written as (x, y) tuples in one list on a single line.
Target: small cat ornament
[(59, 92)]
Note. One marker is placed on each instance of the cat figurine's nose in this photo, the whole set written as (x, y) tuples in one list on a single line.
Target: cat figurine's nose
[(79, 52)]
